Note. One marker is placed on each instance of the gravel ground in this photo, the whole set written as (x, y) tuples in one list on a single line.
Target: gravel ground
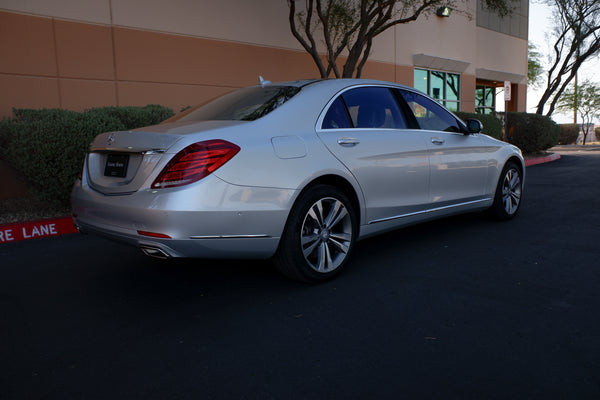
[(17, 202), (29, 209)]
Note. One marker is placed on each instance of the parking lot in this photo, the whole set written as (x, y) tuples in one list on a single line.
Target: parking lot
[(462, 308)]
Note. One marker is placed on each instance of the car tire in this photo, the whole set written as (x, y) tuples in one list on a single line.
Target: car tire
[(507, 199), (319, 235)]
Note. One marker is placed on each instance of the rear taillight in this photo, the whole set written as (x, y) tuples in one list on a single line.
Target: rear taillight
[(195, 162)]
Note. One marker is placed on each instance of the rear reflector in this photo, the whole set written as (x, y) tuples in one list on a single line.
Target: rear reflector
[(154, 234), (195, 162)]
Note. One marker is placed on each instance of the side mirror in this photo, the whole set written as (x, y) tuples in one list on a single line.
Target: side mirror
[(474, 125)]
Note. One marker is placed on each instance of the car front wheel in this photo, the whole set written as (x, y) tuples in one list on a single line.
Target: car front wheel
[(319, 235), (507, 198)]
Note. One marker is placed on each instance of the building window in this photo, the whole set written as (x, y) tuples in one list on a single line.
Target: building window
[(442, 86), (485, 99)]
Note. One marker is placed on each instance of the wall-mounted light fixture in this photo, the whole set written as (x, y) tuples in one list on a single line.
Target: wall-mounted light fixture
[(443, 11)]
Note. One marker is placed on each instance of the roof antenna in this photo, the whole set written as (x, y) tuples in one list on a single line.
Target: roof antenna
[(262, 82)]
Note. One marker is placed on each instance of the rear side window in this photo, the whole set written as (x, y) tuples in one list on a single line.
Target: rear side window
[(337, 117), (365, 107), (429, 114)]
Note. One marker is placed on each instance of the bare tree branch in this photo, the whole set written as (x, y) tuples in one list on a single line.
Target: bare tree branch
[(577, 40), (351, 25), (312, 47)]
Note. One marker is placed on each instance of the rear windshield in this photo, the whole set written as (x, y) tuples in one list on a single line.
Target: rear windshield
[(246, 104)]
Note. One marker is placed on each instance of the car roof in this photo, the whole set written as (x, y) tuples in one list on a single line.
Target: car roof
[(339, 83)]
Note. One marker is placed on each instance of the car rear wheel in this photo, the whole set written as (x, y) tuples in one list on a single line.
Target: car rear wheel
[(319, 235), (507, 198)]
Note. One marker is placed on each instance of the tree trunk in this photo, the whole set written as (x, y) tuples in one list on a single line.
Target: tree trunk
[(352, 60)]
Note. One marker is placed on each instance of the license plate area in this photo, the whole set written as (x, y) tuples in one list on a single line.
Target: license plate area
[(116, 165)]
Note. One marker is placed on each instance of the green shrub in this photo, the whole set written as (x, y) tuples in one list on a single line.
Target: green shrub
[(568, 133), (492, 125), (25, 115), (597, 132), (135, 117), (532, 132), (48, 146), (7, 130)]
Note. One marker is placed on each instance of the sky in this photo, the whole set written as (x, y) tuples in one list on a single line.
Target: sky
[(539, 26)]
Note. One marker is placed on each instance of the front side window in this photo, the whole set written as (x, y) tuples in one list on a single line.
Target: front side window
[(246, 104), (429, 114), (365, 107), (442, 86)]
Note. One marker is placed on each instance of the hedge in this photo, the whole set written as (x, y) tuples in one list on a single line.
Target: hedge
[(492, 125), (48, 146), (568, 133), (532, 132)]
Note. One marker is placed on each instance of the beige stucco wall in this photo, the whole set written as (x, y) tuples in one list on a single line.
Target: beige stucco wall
[(84, 53), (262, 22), (49, 62), (500, 52), (451, 38), (95, 11)]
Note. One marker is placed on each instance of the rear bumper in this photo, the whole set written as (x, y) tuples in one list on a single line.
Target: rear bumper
[(210, 219)]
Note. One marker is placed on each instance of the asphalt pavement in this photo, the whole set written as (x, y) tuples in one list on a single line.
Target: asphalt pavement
[(462, 308)]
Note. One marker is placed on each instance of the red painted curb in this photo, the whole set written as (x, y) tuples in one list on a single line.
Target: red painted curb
[(541, 160), (34, 230)]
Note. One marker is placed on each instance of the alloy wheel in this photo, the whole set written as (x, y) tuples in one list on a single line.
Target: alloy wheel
[(326, 235), (511, 191)]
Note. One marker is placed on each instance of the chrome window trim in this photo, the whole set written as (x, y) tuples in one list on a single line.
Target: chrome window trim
[(325, 109), (319, 123)]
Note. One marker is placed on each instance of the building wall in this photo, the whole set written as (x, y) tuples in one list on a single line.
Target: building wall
[(78, 54), (517, 25), (49, 62)]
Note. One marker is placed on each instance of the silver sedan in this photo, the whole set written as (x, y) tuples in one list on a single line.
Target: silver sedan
[(294, 171)]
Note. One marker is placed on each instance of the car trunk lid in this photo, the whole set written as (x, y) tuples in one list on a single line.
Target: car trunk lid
[(119, 163)]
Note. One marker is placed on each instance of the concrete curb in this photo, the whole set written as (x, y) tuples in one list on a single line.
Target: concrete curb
[(541, 160)]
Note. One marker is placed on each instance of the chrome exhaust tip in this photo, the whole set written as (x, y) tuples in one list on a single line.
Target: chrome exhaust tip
[(155, 252)]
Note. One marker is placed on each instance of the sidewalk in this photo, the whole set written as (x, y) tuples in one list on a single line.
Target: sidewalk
[(576, 147)]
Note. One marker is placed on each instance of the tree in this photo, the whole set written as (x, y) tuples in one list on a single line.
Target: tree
[(586, 99), (576, 40), (351, 26), (534, 66)]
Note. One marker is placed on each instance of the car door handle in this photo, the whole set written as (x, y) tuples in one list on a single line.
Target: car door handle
[(348, 141), (436, 140)]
